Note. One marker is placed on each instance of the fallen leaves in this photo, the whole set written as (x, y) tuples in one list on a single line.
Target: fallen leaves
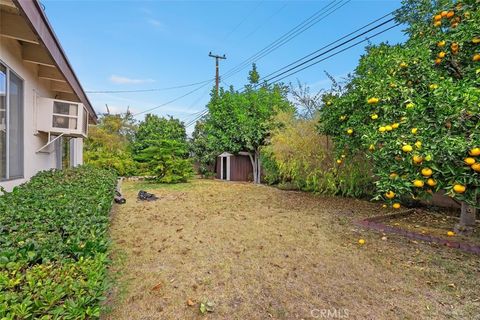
[(157, 287)]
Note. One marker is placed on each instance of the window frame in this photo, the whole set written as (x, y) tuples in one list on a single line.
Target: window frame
[(21, 144)]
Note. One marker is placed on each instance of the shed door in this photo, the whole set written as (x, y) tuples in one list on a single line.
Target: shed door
[(224, 168)]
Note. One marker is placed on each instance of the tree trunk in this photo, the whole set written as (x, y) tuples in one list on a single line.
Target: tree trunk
[(467, 219), (255, 160), (259, 168)]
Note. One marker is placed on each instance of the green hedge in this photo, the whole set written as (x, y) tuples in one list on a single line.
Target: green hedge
[(53, 245)]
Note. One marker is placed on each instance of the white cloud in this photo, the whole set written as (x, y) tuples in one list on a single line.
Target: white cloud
[(125, 80)]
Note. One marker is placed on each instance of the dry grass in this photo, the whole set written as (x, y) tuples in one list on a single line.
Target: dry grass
[(262, 253)]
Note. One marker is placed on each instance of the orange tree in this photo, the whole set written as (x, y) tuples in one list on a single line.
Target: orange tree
[(414, 107)]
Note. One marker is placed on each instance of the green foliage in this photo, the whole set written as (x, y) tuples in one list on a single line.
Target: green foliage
[(203, 150), (161, 148), (426, 103), (241, 121), (108, 144), (155, 128), (54, 245), (299, 158), (166, 160)]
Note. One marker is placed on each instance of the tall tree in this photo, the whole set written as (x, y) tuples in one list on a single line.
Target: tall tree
[(108, 143), (241, 121), (416, 108)]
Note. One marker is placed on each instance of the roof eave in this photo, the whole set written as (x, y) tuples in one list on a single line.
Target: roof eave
[(38, 21)]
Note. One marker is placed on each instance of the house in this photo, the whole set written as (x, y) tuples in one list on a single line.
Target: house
[(44, 112), (234, 167)]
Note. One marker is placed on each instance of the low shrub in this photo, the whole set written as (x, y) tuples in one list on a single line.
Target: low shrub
[(53, 245), (298, 157), (166, 161)]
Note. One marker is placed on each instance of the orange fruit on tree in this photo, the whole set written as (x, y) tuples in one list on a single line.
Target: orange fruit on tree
[(476, 167), (427, 172), (407, 148), (382, 129), (431, 182), (403, 65), (390, 194), (454, 25), (395, 125), (410, 105), (417, 159), (438, 17), (433, 86), (414, 130), (374, 116), (388, 128), (373, 100), (441, 54), (349, 131), (474, 152), (476, 40), (469, 161), (438, 61), (437, 23), (444, 14), (450, 233), (418, 183), (476, 57), (441, 43), (454, 46), (396, 205), (393, 175), (450, 14), (459, 188)]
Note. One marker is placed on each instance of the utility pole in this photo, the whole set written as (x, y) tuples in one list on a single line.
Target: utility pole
[(217, 75)]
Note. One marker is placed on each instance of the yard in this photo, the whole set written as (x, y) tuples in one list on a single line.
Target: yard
[(256, 252)]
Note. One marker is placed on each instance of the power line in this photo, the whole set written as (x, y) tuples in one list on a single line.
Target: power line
[(173, 100), (318, 16), (325, 52), (193, 121), (265, 21), (150, 90), (298, 28), (241, 22), (338, 40), (334, 54)]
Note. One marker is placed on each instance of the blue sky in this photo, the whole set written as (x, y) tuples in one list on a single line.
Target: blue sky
[(130, 45)]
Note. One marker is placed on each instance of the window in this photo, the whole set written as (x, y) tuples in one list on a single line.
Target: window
[(11, 124)]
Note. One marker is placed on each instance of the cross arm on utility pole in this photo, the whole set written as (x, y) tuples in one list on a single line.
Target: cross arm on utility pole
[(217, 75)]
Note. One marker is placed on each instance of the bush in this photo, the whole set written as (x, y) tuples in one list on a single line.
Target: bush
[(166, 161), (54, 245), (299, 158)]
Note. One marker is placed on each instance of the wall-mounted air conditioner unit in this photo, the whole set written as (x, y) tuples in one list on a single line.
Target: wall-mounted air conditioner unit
[(60, 117)]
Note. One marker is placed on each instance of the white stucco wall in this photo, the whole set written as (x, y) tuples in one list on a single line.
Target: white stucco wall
[(10, 55)]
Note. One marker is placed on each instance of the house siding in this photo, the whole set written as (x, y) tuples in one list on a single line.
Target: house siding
[(10, 55)]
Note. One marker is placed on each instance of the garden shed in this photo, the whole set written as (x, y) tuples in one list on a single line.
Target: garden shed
[(234, 167)]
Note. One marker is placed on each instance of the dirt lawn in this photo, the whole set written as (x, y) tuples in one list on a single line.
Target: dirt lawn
[(256, 252)]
